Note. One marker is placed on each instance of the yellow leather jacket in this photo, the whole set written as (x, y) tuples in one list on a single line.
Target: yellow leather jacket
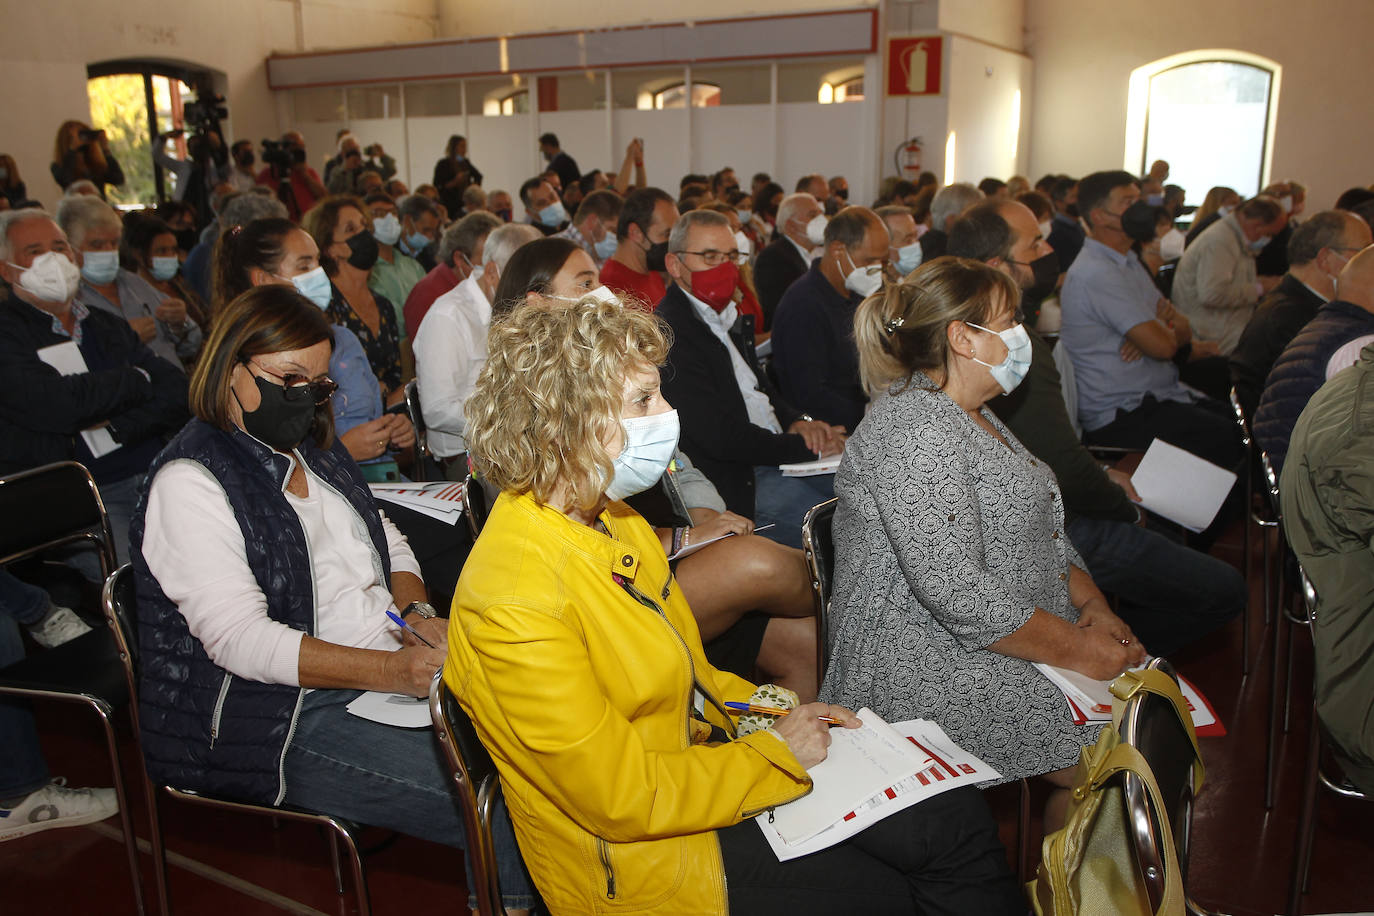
[(579, 661)]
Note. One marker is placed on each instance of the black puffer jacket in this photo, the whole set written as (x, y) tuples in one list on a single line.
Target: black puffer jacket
[(202, 727)]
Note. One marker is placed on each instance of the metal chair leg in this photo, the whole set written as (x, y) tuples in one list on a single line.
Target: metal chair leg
[(1023, 835), (1307, 820), (158, 849), (333, 839), (126, 818), (355, 860), (1271, 746)]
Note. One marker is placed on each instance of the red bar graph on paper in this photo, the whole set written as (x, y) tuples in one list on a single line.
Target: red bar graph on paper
[(939, 761)]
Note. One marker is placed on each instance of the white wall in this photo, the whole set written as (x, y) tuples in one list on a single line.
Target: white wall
[(1085, 51), (997, 22), (982, 83), (49, 44)]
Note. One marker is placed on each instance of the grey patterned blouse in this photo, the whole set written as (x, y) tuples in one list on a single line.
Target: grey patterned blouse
[(945, 542)]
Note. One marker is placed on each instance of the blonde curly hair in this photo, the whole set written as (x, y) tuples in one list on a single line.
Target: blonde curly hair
[(551, 392)]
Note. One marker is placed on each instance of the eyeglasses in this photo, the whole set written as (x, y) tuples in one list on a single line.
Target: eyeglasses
[(714, 258), (298, 386)]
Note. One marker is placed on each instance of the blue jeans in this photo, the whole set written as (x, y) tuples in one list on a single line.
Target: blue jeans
[(1170, 594), (22, 768), (120, 498), (784, 501), (389, 777)]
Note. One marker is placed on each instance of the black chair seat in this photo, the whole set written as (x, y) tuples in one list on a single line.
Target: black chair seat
[(88, 664)]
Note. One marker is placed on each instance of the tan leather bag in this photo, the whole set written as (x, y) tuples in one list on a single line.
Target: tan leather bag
[(1088, 867)]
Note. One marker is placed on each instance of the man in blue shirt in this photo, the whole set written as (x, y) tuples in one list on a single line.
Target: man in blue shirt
[(814, 354), (1123, 336)]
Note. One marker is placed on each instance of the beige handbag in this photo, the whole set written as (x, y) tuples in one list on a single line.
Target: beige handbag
[(1088, 867)]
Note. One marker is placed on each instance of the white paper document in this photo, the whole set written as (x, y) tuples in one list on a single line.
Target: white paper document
[(440, 499), (693, 548), (1180, 486), (827, 465), (66, 358), (870, 773), (1093, 698), (392, 709)]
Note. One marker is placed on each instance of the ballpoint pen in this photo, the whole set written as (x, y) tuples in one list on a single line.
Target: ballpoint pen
[(772, 711), (413, 632)]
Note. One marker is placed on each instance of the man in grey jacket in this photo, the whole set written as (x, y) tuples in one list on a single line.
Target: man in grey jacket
[(1215, 284)]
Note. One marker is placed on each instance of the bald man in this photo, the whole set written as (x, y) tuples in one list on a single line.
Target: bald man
[(814, 355), (1331, 342), (1170, 594)]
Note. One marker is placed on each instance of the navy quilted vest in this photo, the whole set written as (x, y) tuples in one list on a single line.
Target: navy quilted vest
[(1301, 370), (203, 728)]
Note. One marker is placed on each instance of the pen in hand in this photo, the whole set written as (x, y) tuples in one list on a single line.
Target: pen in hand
[(772, 711), (413, 632)]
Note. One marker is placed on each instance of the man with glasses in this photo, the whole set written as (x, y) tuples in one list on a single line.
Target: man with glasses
[(736, 428), (814, 355), (1318, 251), (76, 384)]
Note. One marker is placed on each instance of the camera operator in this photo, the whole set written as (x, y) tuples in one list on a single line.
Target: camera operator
[(296, 184), (344, 177), (81, 153), (206, 165), (240, 175)]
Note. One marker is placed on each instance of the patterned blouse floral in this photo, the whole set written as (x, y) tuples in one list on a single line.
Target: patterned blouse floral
[(946, 541), (383, 348)]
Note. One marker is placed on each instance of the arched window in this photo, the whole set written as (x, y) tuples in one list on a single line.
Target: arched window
[(850, 90), (1210, 114), (704, 95), (513, 103), (132, 101)]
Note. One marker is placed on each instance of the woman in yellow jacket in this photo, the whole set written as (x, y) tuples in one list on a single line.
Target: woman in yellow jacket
[(572, 648)]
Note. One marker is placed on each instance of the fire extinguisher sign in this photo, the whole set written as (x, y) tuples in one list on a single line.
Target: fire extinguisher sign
[(914, 65)]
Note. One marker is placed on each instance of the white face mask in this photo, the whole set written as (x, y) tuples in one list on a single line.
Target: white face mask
[(1045, 229), (51, 277), (863, 281), (815, 230), (1226, 209), (386, 229), (743, 244), (600, 294), (1014, 366), (1286, 201)]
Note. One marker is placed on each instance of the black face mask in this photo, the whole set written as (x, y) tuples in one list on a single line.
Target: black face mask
[(1138, 222), (1071, 210), (246, 159), (1046, 272), (504, 215), (187, 238), (842, 194), (280, 422), (656, 256), (362, 250)]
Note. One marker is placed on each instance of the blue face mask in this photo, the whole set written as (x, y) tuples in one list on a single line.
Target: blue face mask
[(649, 446), (1011, 370), (909, 258), (164, 269), (415, 243), (314, 285), (606, 247), (99, 267), (553, 214), (386, 229)]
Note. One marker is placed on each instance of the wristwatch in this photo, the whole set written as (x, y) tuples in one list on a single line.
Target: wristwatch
[(423, 608)]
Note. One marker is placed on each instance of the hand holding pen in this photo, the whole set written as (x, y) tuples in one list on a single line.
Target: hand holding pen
[(806, 729)]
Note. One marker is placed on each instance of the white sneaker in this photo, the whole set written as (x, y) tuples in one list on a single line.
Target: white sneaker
[(61, 625), (55, 805)]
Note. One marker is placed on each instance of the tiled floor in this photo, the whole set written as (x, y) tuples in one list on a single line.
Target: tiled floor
[(1241, 854)]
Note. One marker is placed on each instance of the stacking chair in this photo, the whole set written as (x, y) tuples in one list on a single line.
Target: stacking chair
[(58, 505), (1150, 724), (1265, 523), (476, 504), (121, 612), (818, 544), (1282, 598), (478, 786), (425, 466), (1313, 775)]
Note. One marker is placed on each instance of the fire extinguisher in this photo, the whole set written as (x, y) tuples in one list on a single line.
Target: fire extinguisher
[(908, 158)]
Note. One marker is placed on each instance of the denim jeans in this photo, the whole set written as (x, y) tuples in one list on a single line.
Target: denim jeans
[(1170, 594), (784, 502), (22, 768), (120, 498), (389, 777)]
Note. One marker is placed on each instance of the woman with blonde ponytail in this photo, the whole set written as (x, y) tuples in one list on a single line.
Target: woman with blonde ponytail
[(953, 573)]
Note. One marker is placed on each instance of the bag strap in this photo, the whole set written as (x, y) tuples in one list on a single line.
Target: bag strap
[(1152, 680), (1126, 759)]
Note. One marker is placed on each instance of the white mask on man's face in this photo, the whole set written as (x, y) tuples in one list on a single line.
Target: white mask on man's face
[(50, 277)]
